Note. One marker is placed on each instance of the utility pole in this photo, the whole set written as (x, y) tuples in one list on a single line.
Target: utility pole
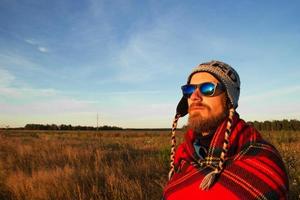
[(97, 121)]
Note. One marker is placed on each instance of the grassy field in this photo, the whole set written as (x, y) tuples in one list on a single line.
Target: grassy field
[(110, 165)]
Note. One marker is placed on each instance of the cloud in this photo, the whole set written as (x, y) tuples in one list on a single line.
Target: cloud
[(276, 93), (22, 104), (59, 111), (279, 103), (145, 111), (13, 89), (151, 49), (29, 41), (163, 46), (144, 56), (125, 93), (37, 45), (270, 111), (29, 102), (26, 67), (6, 78), (59, 105), (25, 93), (43, 49), (151, 115), (12, 60)]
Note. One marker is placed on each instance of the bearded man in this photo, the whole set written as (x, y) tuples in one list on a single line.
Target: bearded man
[(222, 156)]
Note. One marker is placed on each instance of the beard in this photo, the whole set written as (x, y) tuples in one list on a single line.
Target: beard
[(204, 124)]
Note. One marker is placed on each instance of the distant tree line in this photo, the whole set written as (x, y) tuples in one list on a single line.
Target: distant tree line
[(277, 125), (67, 127)]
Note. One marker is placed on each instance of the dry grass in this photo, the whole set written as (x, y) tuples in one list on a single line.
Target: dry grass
[(107, 165), (83, 165), (288, 144)]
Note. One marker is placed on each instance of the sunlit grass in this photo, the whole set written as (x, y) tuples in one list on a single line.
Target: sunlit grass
[(106, 165)]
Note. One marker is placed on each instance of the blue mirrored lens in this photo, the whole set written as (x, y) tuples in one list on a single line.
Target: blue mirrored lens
[(207, 89), (187, 90)]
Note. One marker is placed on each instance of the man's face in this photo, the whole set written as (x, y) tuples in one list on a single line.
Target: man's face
[(206, 112)]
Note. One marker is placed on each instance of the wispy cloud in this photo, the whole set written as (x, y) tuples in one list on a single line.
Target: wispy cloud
[(11, 60), (22, 104), (29, 41), (269, 110), (28, 69), (164, 46), (274, 94), (37, 45), (149, 50), (9, 89), (43, 49), (141, 92), (54, 61), (59, 105), (274, 104), (137, 115), (25, 93), (6, 78)]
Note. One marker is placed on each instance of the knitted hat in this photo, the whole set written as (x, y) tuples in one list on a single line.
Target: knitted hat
[(225, 74), (230, 79)]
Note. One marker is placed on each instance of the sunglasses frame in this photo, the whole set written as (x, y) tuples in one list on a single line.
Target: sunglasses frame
[(217, 86)]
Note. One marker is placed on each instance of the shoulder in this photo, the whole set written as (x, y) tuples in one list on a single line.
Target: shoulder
[(258, 170), (255, 165)]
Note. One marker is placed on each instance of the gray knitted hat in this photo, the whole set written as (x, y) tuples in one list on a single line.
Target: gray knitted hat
[(225, 74)]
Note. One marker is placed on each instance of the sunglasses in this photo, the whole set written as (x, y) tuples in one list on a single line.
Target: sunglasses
[(206, 89)]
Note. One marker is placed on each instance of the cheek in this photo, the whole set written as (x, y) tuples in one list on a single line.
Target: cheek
[(221, 105), (217, 104), (189, 102)]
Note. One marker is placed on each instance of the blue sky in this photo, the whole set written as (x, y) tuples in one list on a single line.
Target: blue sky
[(65, 61)]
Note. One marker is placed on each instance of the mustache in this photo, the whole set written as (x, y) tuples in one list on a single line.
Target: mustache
[(197, 104)]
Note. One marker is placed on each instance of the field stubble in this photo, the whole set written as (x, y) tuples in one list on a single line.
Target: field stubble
[(110, 165)]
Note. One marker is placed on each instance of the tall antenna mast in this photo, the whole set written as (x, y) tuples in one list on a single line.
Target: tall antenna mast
[(97, 121)]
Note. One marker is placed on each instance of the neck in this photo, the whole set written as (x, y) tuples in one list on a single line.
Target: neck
[(205, 133)]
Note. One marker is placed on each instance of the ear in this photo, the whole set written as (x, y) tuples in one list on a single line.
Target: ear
[(182, 107)]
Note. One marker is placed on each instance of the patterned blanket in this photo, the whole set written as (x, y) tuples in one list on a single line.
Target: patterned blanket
[(253, 168)]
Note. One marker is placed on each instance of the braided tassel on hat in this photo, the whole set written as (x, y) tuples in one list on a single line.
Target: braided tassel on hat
[(209, 179), (173, 143)]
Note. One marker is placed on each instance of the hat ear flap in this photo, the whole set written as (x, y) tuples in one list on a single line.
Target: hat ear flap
[(182, 107)]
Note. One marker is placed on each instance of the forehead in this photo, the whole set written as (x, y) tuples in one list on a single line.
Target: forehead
[(201, 77)]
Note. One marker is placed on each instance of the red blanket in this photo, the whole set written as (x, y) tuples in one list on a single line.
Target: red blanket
[(253, 169)]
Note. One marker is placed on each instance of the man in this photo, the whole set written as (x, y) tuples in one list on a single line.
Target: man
[(222, 156)]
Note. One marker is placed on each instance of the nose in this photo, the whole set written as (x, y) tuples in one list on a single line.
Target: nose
[(196, 95)]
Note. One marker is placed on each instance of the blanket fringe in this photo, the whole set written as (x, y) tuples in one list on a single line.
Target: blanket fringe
[(208, 180)]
